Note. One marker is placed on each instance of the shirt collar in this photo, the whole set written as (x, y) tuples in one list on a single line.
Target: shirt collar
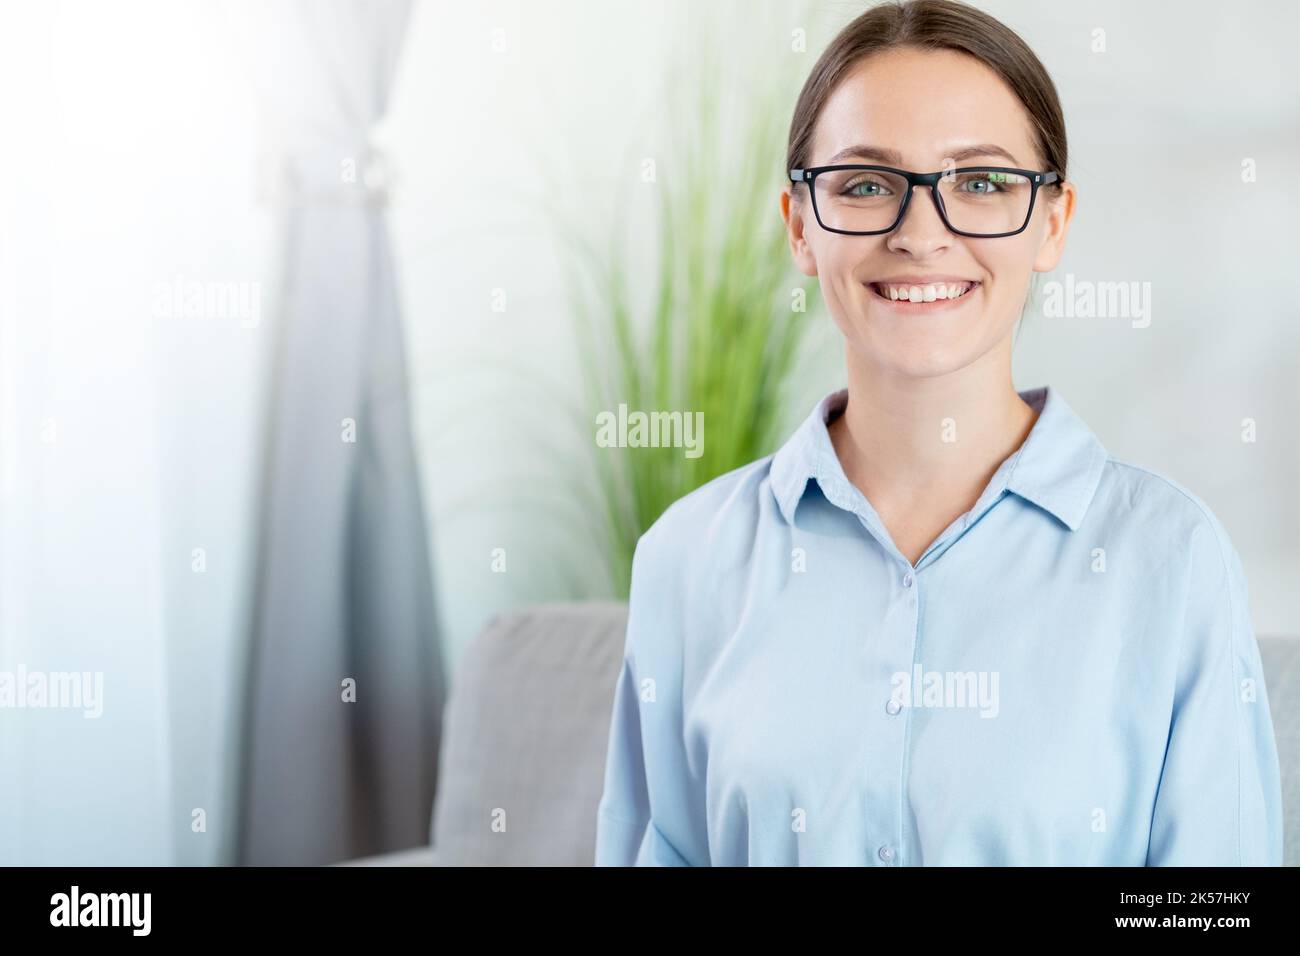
[(1057, 467)]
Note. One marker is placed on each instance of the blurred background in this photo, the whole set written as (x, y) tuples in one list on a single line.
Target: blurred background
[(307, 310)]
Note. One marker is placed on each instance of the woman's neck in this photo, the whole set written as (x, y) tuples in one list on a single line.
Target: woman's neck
[(929, 444)]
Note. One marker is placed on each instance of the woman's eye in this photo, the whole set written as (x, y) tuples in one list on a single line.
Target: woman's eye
[(988, 184), (867, 188)]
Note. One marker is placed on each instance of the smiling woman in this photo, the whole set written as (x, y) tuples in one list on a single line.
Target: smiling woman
[(932, 519)]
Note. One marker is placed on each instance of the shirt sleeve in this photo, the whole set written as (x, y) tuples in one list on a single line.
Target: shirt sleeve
[(1219, 801), (643, 765)]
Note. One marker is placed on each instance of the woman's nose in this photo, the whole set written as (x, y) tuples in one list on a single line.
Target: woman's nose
[(922, 230)]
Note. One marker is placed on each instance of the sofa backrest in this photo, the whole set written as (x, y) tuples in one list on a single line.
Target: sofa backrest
[(522, 761), (1281, 656)]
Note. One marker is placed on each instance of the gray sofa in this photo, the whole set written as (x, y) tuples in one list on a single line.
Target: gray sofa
[(528, 718)]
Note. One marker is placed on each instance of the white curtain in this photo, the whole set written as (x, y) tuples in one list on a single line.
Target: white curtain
[(345, 680)]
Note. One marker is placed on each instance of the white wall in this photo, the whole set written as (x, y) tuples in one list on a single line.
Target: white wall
[(129, 167), (1159, 125)]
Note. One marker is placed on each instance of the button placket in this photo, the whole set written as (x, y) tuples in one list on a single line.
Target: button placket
[(894, 656), (893, 707)]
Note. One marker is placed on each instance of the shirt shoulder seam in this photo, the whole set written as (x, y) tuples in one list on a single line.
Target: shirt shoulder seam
[(1201, 507)]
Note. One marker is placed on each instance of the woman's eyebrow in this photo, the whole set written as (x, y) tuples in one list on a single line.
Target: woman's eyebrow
[(876, 154), (892, 157), (983, 149)]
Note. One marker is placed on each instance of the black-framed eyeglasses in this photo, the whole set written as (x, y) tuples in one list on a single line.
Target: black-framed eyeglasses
[(982, 202)]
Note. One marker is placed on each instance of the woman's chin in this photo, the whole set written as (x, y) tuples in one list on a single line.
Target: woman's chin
[(915, 359)]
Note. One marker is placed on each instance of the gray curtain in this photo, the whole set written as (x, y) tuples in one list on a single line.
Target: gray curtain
[(343, 589)]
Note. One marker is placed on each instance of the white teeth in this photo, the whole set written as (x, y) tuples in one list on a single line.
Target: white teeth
[(926, 293)]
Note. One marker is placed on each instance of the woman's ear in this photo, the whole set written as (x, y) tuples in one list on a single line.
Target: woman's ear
[(1060, 210), (793, 212)]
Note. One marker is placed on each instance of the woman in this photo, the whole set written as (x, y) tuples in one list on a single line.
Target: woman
[(940, 625)]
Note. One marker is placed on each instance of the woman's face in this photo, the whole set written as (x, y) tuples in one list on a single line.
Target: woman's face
[(926, 111)]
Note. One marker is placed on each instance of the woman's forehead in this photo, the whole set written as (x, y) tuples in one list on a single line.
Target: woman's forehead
[(924, 106)]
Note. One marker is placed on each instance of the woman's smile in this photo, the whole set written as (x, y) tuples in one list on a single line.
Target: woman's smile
[(923, 294)]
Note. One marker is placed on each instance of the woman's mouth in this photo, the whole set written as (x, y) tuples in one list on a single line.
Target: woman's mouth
[(923, 296)]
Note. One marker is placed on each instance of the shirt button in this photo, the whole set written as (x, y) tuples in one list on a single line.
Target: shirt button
[(886, 853), (893, 707), (907, 579)]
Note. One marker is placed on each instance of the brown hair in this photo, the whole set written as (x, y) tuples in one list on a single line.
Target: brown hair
[(934, 25)]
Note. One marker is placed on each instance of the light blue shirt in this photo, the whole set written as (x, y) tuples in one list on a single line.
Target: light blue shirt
[(1067, 676)]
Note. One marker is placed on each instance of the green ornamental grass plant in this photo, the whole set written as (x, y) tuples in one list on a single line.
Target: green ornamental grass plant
[(720, 330)]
